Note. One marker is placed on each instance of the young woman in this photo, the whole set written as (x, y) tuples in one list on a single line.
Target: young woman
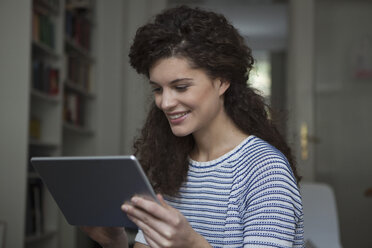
[(227, 176)]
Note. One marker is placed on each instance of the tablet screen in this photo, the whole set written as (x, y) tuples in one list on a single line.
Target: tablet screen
[(90, 190)]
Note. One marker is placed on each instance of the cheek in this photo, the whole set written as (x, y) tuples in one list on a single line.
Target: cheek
[(203, 94), (210, 107), (208, 99)]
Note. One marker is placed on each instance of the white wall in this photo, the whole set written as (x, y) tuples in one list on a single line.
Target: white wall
[(110, 63), (136, 89), (14, 103), (123, 94), (343, 114)]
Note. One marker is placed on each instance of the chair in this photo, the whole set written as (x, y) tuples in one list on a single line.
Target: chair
[(320, 215)]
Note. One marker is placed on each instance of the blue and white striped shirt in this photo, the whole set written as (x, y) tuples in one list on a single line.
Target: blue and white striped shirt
[(245, 198)]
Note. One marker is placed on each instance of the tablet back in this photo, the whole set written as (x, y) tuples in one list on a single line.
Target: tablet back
[(90, 190)]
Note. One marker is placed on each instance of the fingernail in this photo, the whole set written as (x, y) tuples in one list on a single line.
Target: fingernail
[(124, 207), (134, 199)]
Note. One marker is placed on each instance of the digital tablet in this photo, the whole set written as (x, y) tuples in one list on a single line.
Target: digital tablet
[(90, 190)]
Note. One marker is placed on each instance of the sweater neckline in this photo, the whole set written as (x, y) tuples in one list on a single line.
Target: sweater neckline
[(222, 157)]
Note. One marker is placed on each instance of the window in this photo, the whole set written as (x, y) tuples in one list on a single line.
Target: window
[(260, 76)]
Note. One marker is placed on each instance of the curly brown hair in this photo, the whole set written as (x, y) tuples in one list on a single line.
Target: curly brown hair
[(209, 42)]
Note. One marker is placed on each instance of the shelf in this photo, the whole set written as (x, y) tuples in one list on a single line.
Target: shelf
[(81, 4), (46, 7), (83, 52), (77, 129), (79, 89), (40, 237), (50, 88), (45, 96), (44, 49)]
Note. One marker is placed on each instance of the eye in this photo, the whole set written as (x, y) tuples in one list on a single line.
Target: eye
[(156, 89), (181, 87)]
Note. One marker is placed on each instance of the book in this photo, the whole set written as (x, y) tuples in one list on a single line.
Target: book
[(35, 128), (53, 81), (78, 27), (78, 72), (73, 108), (45, 78), (34, 207), (43, 28)]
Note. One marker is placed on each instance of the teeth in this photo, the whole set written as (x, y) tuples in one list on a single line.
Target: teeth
[(172, 117)]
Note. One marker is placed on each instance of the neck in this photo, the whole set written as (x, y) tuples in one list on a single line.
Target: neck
[(219, 138)]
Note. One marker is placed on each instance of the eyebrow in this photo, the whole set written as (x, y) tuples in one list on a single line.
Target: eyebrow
[(173, 81)]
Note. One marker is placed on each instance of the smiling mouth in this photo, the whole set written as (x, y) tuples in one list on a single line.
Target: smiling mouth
[(177, 116)]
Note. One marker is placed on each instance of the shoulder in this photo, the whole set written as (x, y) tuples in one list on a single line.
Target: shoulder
[(258, 158), (260, 168), (268, 197)]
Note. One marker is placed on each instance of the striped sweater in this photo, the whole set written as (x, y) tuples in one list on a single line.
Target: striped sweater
[(245, 198)]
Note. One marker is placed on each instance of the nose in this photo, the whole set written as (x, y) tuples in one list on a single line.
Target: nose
[(166, 101)]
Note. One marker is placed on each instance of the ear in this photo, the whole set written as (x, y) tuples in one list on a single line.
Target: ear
[(223, 86)]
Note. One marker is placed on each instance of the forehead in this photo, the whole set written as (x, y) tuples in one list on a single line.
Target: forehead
[(166, 70), (169, 64), (170, 68)]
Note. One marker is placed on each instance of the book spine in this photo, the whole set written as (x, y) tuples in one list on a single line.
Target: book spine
[(43, 29), (45, 78), (78, 72), (78, 28), (34, 208)]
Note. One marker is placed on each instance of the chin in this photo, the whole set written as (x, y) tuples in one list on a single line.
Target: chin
[(180, 133)]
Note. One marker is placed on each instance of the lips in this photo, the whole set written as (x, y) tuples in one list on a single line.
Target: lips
[(176, 118)]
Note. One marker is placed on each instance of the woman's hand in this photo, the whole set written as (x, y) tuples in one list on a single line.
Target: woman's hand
[(162, 225), (107, 237)]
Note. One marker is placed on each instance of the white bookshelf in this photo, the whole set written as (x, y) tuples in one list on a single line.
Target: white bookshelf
[(61, 120), (111, 116), (79, 132), (45, 118)]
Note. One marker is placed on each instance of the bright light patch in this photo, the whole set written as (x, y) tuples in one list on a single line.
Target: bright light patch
[(260, 76)]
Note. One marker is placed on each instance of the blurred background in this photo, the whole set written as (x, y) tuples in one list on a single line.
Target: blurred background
[(66, 89)]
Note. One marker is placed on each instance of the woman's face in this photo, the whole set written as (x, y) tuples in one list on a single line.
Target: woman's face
[(190, 100)]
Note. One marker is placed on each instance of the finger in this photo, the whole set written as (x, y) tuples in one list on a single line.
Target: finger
[(151, 234), (162, 227), (159, 211), (151, 242)]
